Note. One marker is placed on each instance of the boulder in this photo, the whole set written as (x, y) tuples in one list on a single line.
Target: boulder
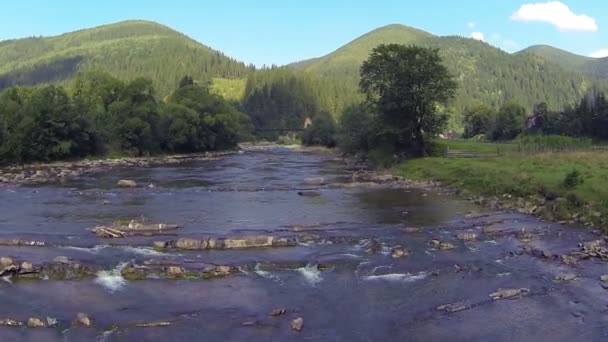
[(26, 267), (6, 261), (160, 244), (126, 183), (35, 322), (175, 271), (442, 245), (9, 322), (62, 259), (297, 324), (82, 319)]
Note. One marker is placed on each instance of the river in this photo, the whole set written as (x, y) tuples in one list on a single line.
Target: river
[(340, 278)]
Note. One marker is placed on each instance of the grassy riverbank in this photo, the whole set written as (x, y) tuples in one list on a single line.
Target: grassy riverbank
[(528, 180)]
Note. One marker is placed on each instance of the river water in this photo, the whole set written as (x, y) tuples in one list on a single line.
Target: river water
[(344, 283)]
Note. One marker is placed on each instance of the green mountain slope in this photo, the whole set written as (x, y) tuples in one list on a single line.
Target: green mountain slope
[(484, 73), (595, 67), (127, 49)]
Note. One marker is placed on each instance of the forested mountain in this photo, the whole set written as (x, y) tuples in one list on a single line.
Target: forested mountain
[(126, 49), (595, 67), (485, 73)]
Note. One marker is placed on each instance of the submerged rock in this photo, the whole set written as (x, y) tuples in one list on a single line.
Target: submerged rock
[(412, 230), (565, 277), (277, 312), (399, 252), (126, 183), (297, 324), (452, 307), (467, 236), (240, 242), (442, 245), (309, 193), (509, 293)]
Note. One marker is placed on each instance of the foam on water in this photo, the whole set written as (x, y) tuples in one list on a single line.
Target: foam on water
[(148, 251), (311, 273), (93, 250), (404, 277), (112, 280)]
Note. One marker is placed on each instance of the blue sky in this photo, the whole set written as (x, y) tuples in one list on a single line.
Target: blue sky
[(283, 31)]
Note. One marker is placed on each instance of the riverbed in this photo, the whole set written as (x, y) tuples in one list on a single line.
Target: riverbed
[(376, 262)]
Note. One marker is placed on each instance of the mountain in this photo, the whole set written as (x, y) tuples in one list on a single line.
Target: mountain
[(126, 49), (595, 67), (485, 73)]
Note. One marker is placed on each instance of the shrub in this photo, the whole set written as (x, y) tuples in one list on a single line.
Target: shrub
[(573, 179)]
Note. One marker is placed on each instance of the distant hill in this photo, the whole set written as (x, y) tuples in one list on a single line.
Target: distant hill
[(595, 67), (485, 73), (126, 49)]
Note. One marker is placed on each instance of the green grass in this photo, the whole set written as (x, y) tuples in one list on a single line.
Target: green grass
[(525, 176), (475, 146)]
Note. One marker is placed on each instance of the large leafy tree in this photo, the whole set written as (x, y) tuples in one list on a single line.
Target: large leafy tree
[(405, 85)]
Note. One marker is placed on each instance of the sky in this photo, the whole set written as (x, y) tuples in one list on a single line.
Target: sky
[(265, 32)]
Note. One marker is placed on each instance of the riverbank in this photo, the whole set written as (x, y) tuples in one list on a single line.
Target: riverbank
[(535, 184), (39, 173)]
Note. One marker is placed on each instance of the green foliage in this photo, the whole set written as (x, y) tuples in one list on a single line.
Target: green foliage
[(103, 114), (127, 49), (573, 179), (405, 85), (355, 129), (508, 122), (321, 132), (485, 73), (594, 67), (538, 143), (477, 120)]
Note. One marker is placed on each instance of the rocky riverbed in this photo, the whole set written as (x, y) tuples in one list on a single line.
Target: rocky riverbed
[(235, 247)]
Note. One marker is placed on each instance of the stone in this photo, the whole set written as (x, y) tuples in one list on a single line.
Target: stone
[(399, 252), (6, 261), (452, 307), (568, 259), (82, 319), (126, 183), (565, 277), (51, 321), (277, 312), (193, 244), (314, 181), (35, 322), (467, 236), (309, 193), (524, 236), (604, 277), (442, 245), (412, 229), (215, 243), (297, 324), (160, 244), (26, 267), (175, 271), (509, 293), (62, 259), (9, 322), (248, 242)]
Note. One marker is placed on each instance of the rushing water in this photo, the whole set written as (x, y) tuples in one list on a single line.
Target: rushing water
[(348, 289)]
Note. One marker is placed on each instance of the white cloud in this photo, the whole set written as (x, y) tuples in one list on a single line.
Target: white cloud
[(477, 36), (599, 53), (557, 14), (471, 24)]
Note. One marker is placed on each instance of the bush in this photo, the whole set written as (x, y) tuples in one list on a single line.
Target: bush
[(321, 131), (572, 180), (354, 130)]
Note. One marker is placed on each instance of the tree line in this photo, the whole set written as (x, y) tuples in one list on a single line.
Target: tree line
[(98, 114)]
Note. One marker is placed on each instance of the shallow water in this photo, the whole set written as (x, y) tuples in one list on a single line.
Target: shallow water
[(346, 286)]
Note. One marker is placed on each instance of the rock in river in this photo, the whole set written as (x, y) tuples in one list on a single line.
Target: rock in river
[(83, 319), (398, 252), (509, 293), (35, 322), (126, 183), (297, 324), (309, 193)]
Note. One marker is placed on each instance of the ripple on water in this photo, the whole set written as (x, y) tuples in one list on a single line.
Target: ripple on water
[(401, 277)]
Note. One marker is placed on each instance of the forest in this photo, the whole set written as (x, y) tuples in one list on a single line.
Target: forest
[(99, 115)]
